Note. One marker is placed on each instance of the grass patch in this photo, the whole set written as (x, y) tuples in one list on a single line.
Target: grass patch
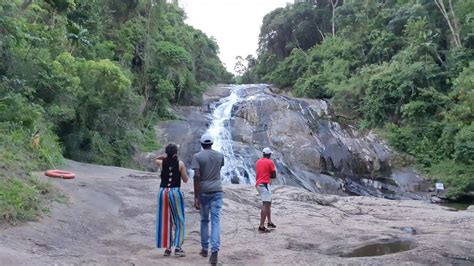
[(149, 142), (18, 157), (24, 199)]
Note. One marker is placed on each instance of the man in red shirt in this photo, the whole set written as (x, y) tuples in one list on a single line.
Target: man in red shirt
[(265, 169)]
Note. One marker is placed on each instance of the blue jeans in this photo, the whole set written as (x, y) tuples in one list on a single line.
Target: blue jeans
[(211, 202)]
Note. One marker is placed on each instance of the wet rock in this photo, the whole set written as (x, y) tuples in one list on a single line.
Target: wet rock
[(470, 208), (260, 137), (287, 123), (436, 199), (337, 158), (306, 140), (247, 111), (215, 93), (311, 157), (409, 230), (242, 130), (380, 247), (235, 180), (301, 246)]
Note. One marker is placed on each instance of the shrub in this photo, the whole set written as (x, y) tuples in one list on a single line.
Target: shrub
[(464, 145), (457, 177), (23, 200)]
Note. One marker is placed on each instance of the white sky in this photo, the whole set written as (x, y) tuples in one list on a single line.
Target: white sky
[(235, 24)]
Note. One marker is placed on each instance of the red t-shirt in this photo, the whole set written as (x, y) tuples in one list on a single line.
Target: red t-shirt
[(264, 168)]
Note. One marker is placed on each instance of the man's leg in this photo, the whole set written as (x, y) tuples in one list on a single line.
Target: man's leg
[(216, 206), (262, 189), (204, 211), (268, 206), (263, 214)]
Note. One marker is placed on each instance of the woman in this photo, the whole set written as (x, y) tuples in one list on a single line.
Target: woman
[(170, 211)]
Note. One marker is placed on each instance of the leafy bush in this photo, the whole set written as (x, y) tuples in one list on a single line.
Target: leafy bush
[(458, 178), (330, 66), (172, 54), (290, 69), (313, 87), (26, 140), (464, 145)]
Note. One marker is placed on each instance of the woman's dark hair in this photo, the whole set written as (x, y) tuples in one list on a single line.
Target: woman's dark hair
[(172, 151)]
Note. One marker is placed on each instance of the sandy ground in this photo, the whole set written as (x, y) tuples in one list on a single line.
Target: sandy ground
[(109, 219)]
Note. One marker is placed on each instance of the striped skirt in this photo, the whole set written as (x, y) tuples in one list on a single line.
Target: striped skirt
[(170, 214)]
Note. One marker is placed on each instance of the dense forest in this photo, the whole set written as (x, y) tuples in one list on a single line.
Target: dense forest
[(87, 80), (90, 78), (402, 67)]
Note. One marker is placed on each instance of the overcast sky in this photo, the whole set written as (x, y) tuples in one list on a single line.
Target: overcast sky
[(235, 24)]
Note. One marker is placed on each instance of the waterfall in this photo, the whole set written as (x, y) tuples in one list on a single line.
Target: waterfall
[(310, 150), (235, 169)]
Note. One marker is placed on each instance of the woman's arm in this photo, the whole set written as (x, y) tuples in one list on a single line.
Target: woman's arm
[(159, 163), (159, 160), (183, 172)]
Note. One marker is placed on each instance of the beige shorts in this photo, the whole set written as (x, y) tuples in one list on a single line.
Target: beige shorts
[(264, 192)]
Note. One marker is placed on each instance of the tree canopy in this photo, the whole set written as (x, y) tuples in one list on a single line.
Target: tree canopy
[(89, 78)]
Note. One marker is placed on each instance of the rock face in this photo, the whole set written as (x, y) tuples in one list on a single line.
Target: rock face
[(296, 130), (109, 219), (311, 150)]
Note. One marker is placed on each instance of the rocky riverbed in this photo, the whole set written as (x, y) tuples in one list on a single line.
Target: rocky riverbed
[(109, 219)]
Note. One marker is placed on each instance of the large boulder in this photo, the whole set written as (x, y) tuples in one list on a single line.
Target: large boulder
[(306, 140), (243, 131)]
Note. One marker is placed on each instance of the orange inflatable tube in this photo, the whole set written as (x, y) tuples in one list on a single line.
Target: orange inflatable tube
[(60, 174)]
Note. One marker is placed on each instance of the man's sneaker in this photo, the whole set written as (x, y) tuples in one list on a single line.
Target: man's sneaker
[(263, 229), (271, 225), (167, 252), (213, 258), (203, 253), (179, 252)]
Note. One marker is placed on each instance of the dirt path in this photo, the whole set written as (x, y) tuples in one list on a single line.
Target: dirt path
[(110, 220)]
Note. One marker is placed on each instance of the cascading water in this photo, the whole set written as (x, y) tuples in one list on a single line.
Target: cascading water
[(310, 149), (235, 169)]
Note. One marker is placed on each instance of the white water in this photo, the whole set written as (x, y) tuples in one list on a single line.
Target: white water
[(234, 166)]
